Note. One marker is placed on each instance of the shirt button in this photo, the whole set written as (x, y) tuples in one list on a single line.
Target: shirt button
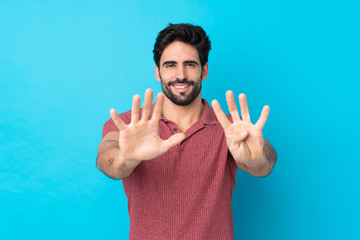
[(175, 129)]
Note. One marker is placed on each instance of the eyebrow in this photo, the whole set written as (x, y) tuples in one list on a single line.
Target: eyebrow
[(191, 61), (174, 62), (168, 62)]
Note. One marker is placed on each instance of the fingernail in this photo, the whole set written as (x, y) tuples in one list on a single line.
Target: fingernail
[(243, 133)]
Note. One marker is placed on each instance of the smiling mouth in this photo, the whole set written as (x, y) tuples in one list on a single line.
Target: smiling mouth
[(181, 88)]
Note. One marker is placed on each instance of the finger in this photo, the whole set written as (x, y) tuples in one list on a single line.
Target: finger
[(232, 106), (220, 115), (135, 110), (146, 108), (263, 117), (172, 141), (158, 108), (117, 120), (244, 108)]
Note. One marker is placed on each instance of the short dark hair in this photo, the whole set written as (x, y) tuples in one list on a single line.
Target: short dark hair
[(187, 33)]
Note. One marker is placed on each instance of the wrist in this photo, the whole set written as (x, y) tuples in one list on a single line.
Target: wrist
[(253, 166), (259, 167), (127, 163)]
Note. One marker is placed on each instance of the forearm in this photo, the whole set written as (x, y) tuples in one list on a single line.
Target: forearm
[(110, 163), (262, 167)]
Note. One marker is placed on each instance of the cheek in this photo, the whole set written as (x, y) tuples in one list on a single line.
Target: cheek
[(166, 75)]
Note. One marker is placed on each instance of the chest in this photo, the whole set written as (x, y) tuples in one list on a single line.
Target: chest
[(203, 155)]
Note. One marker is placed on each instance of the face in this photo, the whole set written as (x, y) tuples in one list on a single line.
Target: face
[(180, 73)]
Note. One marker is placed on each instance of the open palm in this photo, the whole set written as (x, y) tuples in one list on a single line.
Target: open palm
[(244, 139), (140, 139)]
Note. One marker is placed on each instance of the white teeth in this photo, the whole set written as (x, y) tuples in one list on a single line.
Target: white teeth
[(181, 86)]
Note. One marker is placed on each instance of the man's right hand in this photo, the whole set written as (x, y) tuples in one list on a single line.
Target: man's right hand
[(140, 139), (120, 152)]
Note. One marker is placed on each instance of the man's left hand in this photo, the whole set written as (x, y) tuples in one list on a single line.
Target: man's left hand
[(244, 139)]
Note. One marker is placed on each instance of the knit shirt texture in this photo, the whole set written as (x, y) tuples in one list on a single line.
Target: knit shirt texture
[(185, 193)]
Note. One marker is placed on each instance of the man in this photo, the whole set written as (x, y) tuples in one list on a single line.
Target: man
[(178, 158)]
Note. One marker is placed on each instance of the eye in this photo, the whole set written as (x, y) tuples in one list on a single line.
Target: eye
[(190, 64), (170, 65)]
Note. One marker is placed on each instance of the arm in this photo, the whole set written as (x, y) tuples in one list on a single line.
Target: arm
[(120, 152), (263, 166), (108, 159)]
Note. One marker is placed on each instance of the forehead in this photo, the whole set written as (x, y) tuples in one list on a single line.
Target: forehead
[(179, 52)]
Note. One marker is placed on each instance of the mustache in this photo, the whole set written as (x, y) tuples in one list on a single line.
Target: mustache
[(183, 81)]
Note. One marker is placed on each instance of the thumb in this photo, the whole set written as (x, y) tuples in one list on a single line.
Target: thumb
[(172, 141), (241, 137)]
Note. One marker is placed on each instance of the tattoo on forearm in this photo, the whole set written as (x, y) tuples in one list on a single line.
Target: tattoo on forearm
[(106, 145), (269, 153)]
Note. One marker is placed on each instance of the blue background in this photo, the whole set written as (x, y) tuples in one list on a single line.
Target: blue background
[(64, 64)]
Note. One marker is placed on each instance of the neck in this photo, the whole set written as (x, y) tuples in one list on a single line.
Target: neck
[(183, 116)]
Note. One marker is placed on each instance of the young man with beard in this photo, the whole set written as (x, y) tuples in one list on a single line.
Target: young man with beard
[(178, 158)]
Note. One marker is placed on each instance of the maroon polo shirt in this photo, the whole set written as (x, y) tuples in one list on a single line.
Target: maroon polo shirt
[(185, 193)]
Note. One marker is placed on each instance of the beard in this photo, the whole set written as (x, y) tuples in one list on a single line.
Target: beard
[(184, 99)]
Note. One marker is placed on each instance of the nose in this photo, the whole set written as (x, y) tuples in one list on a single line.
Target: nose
[(181, 73)]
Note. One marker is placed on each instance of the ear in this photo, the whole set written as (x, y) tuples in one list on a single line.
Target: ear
[(205, 71), (157, 74)]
